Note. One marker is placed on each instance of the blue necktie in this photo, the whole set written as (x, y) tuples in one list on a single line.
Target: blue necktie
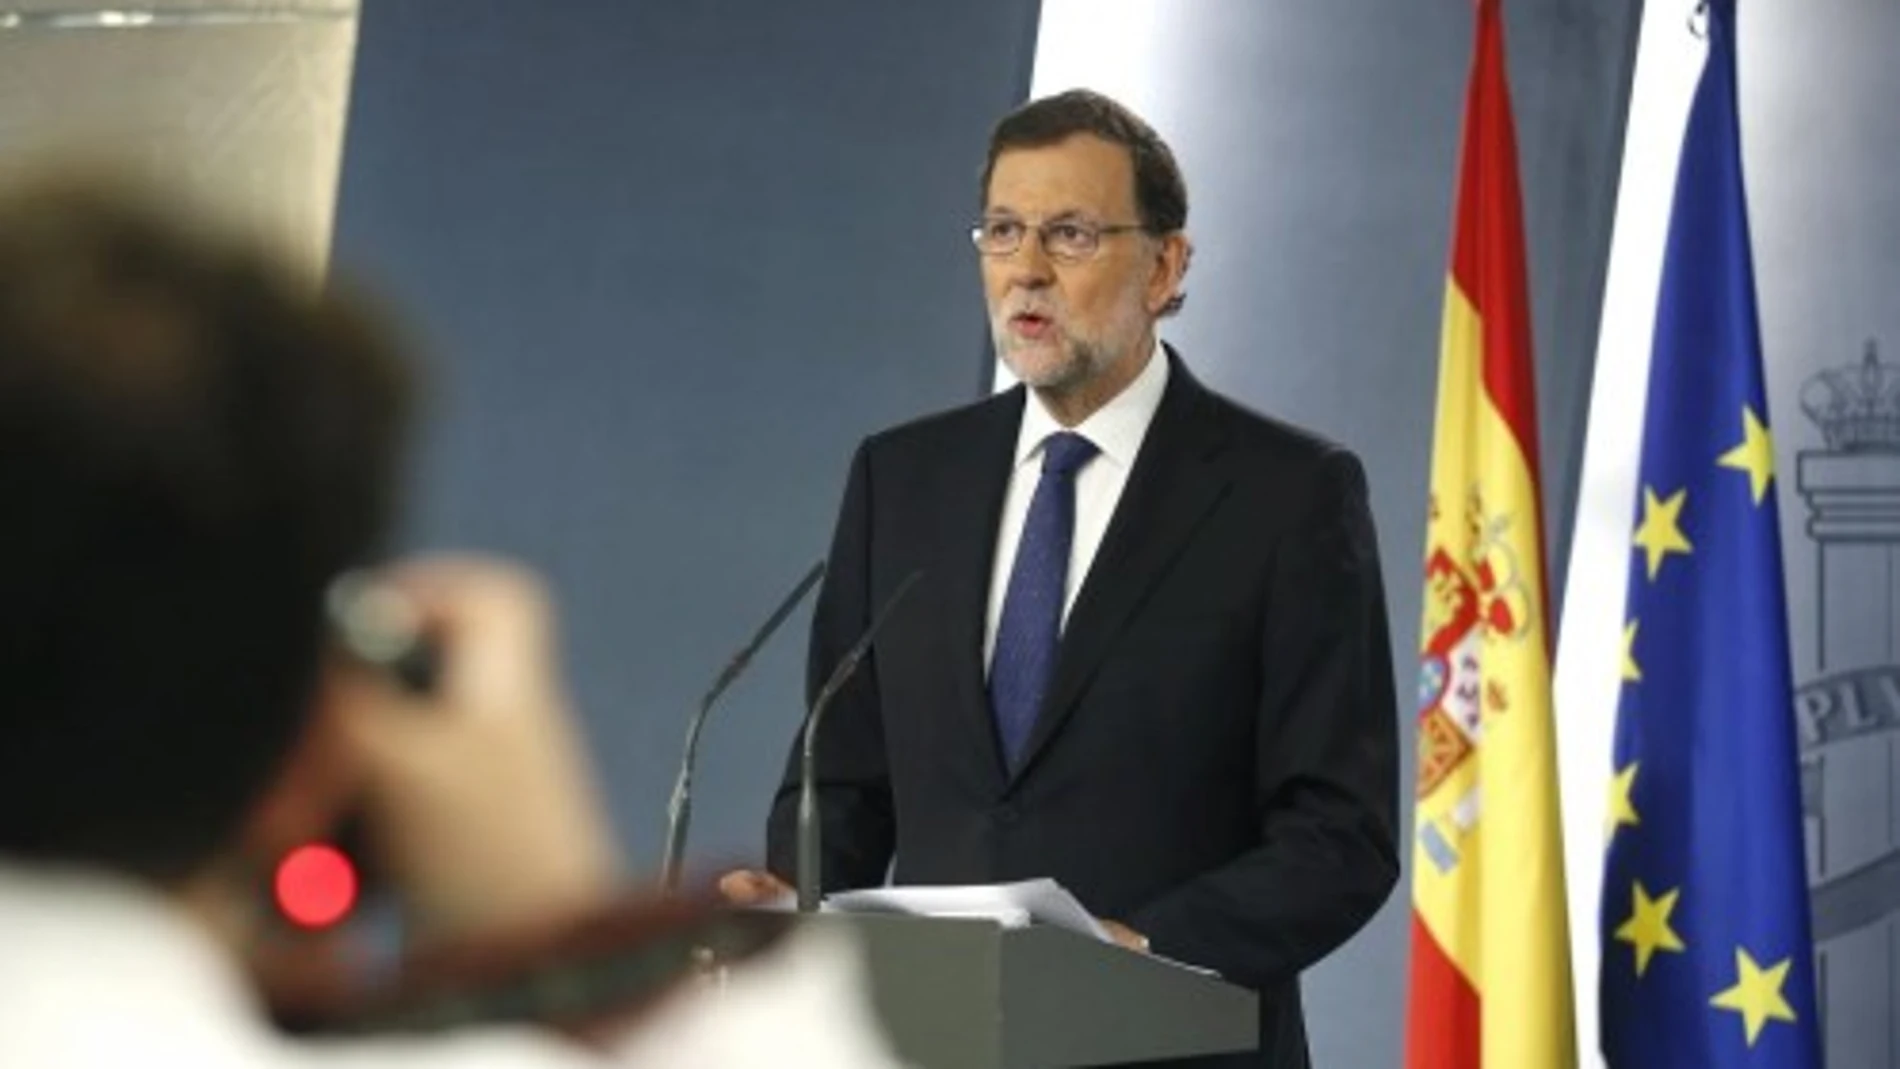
[(1031, 624)]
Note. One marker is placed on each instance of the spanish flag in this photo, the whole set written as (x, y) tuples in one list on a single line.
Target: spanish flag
[(1490, 968)]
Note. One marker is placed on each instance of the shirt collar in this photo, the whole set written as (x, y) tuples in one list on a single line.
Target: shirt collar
[(1117, 428)]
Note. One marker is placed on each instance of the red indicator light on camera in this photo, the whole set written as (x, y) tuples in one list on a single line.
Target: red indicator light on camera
[(315, 885)]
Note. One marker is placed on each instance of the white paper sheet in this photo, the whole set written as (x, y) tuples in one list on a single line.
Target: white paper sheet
[(1012, 905), (1041, 901)]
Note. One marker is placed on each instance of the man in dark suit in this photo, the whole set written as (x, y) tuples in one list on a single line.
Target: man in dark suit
[(1148, 653)]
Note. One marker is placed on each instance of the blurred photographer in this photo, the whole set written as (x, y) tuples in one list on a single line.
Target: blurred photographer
[(194, 443)]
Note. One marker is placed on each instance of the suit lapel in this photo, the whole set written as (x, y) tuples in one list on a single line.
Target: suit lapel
[(967, 520), (1173, 485)]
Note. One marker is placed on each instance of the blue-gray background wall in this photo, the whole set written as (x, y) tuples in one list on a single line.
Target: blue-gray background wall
[(674, 258)]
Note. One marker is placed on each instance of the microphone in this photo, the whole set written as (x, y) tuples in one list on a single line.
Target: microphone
[(679, 810), (808, 830)]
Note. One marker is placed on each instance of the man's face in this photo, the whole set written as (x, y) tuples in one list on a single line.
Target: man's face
[(1061, 325)]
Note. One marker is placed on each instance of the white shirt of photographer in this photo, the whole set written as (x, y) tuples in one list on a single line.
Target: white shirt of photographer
[(97, 972)]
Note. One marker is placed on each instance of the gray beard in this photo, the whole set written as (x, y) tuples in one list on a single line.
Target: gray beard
[(1086, 361)]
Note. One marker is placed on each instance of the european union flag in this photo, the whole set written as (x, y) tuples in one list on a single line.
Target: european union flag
[(1707, 957)]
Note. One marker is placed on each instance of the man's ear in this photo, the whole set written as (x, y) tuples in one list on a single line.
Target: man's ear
[(1173, 254)]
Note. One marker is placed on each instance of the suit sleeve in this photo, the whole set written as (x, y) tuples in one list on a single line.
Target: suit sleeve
[(1326, 767), (854, 791)]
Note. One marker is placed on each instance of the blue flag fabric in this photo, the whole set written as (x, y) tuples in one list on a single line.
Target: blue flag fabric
[(1707, 954)]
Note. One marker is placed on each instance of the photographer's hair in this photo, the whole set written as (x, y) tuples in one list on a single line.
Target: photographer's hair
[(194, 439)]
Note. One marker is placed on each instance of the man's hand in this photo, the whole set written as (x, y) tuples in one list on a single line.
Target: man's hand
[(1126, 936), (752, 887), (478, 797)]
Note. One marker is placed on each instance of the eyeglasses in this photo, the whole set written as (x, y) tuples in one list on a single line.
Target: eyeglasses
[(1066, 241)]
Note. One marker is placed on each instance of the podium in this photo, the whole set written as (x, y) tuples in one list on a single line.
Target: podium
[(958, 993)]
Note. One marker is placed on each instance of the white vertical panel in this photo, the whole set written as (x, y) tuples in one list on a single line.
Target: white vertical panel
[(238, 107), (1108, 46), (1590, 634)]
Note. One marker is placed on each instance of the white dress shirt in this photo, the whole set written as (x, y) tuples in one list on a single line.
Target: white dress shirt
[(98, 972), (1117, 430)]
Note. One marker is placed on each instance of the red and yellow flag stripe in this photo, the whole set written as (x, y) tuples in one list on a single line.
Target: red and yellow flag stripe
[(1490, 964)]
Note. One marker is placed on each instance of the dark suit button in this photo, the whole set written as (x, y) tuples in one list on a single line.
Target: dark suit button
[(1007, 813)]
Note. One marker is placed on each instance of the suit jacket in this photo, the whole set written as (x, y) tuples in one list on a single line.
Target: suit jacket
[(1215, 763)]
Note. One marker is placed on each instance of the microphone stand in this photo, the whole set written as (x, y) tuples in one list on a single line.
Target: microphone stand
[(808, 825), (679, 809)]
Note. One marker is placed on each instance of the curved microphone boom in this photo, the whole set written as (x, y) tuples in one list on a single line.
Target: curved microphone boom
[(808, 831), (679, 810)]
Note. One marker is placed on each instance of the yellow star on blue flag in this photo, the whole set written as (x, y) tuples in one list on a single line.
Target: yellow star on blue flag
[(1718, 968)]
